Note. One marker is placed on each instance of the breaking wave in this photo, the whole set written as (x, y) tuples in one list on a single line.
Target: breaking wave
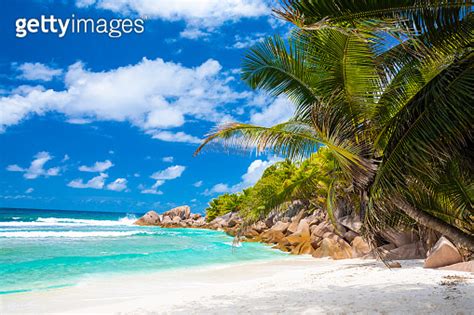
[(125, 221), (72, 234)]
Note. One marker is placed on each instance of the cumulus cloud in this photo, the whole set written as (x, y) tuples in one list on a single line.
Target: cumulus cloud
[(242, 42), (97, 182), (119, 184), (36, 71), (29, 190), (193, 33), (280, 110), (36, 168), (168, 159), (161, 177), (154, 188), (141, 94), (198, 183), (98, 167), (220, 189), (169, 173), (198, 15), (173, 136), (253, 174)]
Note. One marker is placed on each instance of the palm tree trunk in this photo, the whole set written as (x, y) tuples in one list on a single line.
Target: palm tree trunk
[(454, 234), (363, 204)]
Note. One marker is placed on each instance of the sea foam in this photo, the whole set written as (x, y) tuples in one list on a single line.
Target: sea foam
[(125, 221), (72, 234)]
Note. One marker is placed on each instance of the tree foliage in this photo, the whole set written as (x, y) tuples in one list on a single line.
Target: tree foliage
[(387, 88)]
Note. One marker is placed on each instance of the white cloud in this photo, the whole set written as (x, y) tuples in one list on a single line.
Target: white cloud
[(36, 71), (193, 33), (161, 177), (97, 182), (79, 121), (253, 174), (36, 168), (141, 94), (277, 112), (29, 190), (242, 42), (168, 159), (198, 183), (65, 158), (255, 171), (173, 136), (220, 188), (171, 172), (98, 167), (119, 184), (202, 14), (15, 168), (154, 189)]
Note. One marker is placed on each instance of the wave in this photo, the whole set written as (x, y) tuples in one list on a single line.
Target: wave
[(128, 220), (73, 234)]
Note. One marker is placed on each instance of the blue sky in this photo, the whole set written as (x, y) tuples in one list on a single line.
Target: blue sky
[(89, 122)]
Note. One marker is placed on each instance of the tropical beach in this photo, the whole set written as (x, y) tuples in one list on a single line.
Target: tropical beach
[(291, 286), (228, 157)]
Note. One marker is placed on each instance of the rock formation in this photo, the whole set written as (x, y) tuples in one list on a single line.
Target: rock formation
[(443, 253), (298, 232)]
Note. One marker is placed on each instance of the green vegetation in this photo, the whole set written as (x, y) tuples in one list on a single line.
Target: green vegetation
[(223, 204), (387, 88), (280, 184)]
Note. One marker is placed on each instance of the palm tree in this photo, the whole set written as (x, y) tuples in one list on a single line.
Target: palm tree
[(386, 86)]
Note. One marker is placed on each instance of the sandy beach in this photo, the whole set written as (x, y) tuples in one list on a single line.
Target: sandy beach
[(296, 285)]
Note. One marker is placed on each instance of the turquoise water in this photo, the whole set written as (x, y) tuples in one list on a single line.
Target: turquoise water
[(46, 249)]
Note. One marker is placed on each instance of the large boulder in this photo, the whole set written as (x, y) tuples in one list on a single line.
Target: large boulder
[(183, 212), (233, 221), (176, 219), (443, 253), (399, 238), (228, 220), (149, 218), (315, 241), (250, 233), (351, 222), (280, 226), (467, 266), (303, 248), (360, 247), (336, 249), (350, 235), (166, 220), (321, 228), (408, 251), (259, 226), (196, 216), (271, 236), (315, 218), (295, 221), (301, 235), (199, 222)]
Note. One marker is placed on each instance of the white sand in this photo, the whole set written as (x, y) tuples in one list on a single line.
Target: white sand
[(289, 286)]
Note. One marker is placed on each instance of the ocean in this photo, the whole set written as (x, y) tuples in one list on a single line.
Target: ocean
[(44, 249)]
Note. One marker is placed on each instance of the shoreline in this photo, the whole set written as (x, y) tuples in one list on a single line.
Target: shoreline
[(294, 284)]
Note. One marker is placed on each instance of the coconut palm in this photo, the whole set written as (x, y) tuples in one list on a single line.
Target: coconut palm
[(386, 86)]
